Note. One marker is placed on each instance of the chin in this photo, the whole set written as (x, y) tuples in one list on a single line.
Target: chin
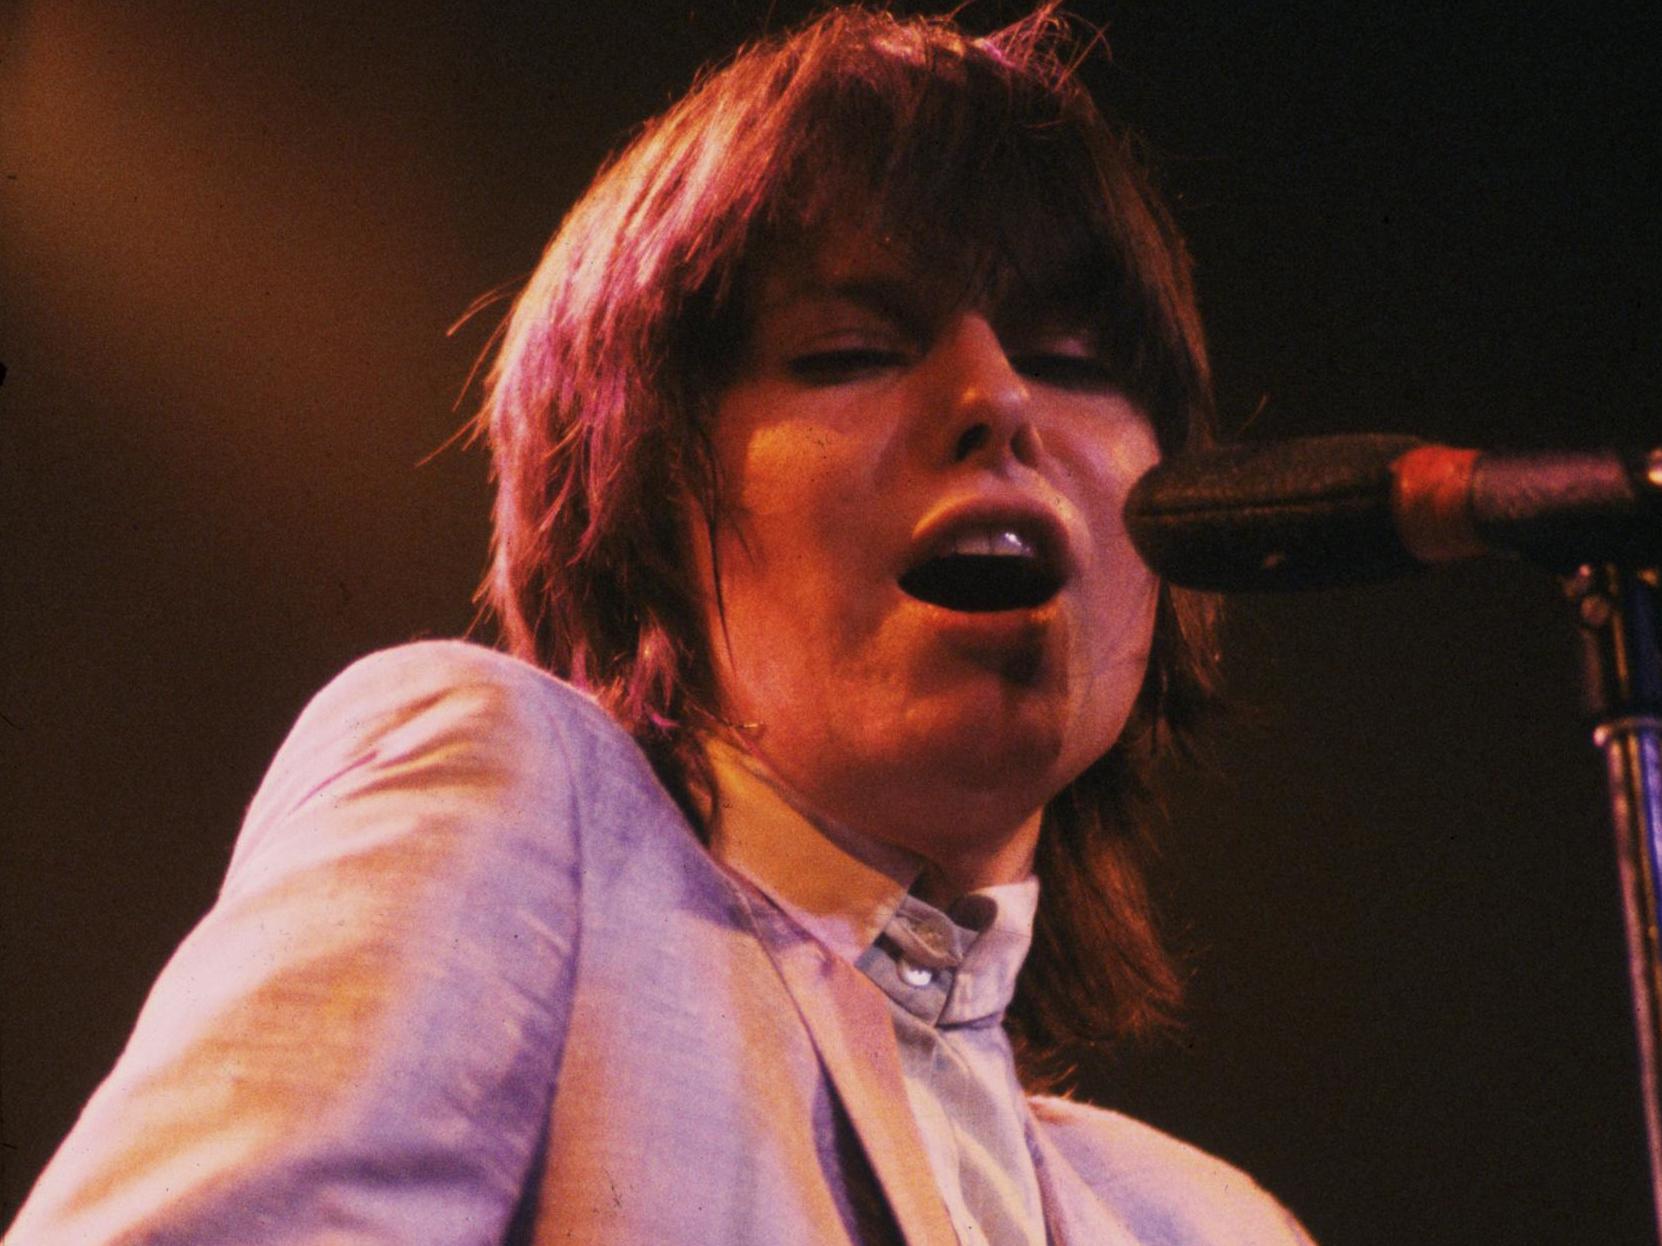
[(1019, 753)]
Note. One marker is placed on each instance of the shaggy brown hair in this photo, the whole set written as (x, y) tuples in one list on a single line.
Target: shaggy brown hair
[(987, 160)]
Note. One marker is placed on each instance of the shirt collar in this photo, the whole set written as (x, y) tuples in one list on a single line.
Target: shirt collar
[(842, 887), (851, 892)]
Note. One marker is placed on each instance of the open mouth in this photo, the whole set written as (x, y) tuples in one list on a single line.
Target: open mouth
[(982, 571), (978, 583)]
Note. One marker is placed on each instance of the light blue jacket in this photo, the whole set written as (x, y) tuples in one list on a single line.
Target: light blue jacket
[(471, 979)]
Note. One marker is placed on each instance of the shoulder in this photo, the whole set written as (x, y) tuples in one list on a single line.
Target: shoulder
[(457, 725), (385, 977), (451, 683), (1167, 1190)]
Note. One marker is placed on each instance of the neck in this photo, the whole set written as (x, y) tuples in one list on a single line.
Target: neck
[(953, 863), (1007, 860)]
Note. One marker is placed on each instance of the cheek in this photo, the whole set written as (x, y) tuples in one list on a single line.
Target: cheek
[(787, 553), (791, 500), (1135, 455), (1126, 450), (1115, 663), (1104, 461), (1124, 592), (1105, 444), (775, 466), (781, 454)]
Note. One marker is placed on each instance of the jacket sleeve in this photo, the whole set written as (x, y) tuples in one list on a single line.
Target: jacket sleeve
[(1166, 1192), (359, 1041)]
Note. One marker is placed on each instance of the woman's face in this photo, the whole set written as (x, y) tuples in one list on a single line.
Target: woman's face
[(929, 613)]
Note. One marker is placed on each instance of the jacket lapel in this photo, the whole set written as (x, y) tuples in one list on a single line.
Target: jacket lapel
[(848, 1020)]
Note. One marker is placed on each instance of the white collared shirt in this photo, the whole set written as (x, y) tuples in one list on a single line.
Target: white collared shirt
[(948, 975)]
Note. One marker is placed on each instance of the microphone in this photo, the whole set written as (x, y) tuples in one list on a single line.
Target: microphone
[(1320, 512)]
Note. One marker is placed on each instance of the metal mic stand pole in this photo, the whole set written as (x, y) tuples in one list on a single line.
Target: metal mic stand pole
[(1621, 614)]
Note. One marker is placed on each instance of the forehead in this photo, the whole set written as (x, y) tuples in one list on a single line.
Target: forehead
[(874, 267), (862, 265)]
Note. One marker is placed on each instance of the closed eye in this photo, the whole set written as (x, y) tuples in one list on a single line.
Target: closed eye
[(1082, 373), (833, 367)]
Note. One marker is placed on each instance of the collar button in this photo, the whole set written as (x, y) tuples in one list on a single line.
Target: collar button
[(915, 975)]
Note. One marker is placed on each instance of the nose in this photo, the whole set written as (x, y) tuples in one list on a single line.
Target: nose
[(987, 405)]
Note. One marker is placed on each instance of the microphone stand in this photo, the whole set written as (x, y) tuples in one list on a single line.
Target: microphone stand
[(1620, 610), (1316, 512)]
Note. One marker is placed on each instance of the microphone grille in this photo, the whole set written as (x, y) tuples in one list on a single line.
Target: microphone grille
[(1307, 513)]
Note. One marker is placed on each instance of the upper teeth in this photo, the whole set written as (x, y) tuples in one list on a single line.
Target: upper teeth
[(999, 542)]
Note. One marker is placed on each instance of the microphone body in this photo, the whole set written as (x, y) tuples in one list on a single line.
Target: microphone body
[(1354, 509)]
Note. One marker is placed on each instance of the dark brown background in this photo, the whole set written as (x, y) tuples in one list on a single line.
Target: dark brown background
[(231, 239)]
